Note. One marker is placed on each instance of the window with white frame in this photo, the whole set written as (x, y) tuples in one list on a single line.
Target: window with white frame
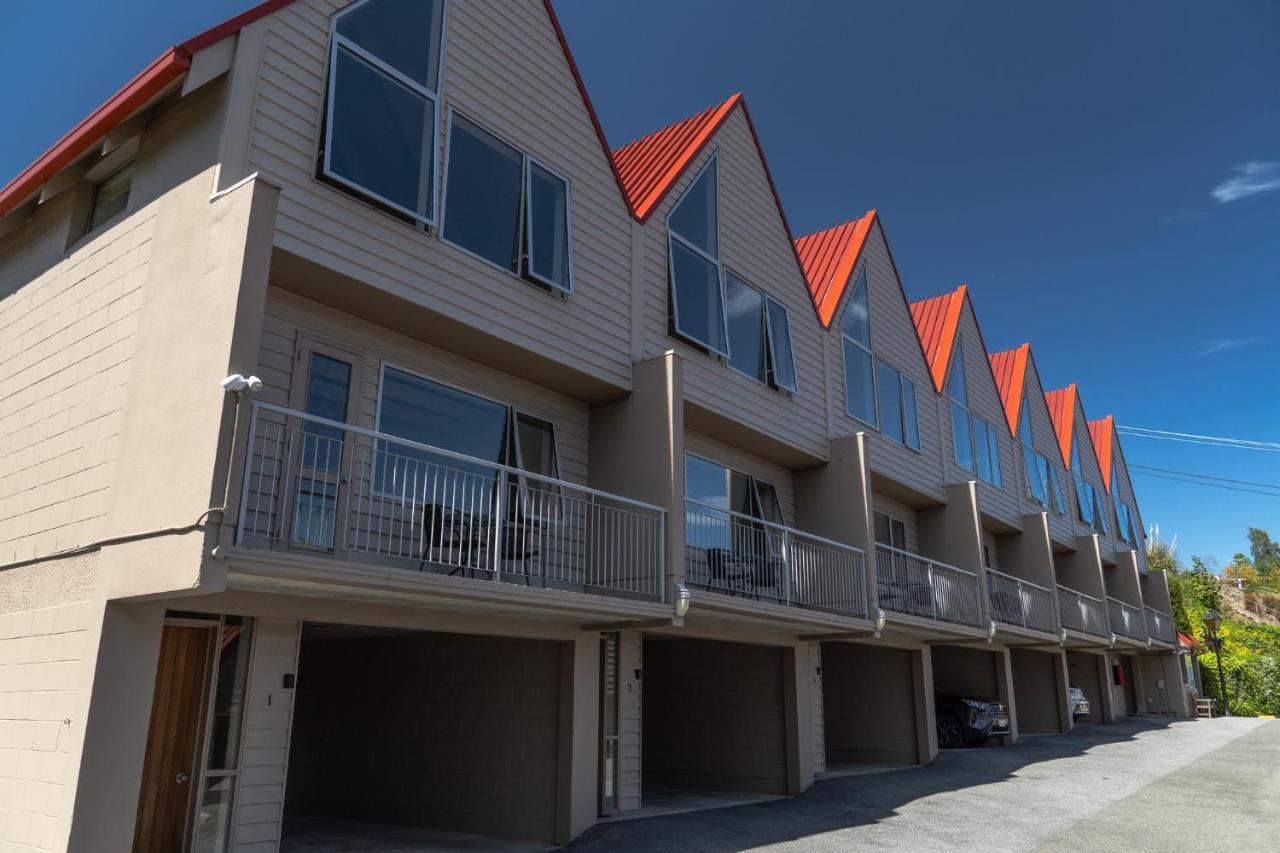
[(383, 103), (505, 207), (1043, 483), (697, 279), (897, 396), (715, 494), (1085, 500), (759, 335), (976, 442), (890, 531), (859, 371)]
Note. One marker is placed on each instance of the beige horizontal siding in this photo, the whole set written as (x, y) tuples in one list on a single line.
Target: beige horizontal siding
[(528, 97), (290, 317), (894, 341), (754, 245)]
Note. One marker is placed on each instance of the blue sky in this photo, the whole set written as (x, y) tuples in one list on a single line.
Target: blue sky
[(1105, 176)]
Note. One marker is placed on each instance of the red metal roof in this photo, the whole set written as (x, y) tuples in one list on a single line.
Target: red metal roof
[(937, 319), (1187, 641), (1101, 431), (1010, 371), (650, 166), (828, 258), (170, 66), (1062, 411)]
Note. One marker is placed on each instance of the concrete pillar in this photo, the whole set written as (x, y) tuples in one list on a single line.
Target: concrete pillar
[(926, 713), (1062, 680), (115, 737), (798, 715), (1004, 689), (1081, 569), (1029, 554), (834, 501), (1108, 689), (637, 449), (579, 764)]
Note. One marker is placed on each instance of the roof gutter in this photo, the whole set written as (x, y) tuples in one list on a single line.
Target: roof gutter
[(150, 82)]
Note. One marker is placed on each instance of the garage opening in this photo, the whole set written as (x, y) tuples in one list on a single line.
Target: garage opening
[(869, 705), (1130, 685), (713, 718), (1037, 694), (963, 676), (400, 739), (1082, 672)]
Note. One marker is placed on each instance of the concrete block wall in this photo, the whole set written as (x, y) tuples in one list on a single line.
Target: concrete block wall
[(66, 340), (46, 674)]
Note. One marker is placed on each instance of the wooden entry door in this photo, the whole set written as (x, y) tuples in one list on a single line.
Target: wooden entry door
[(169, 769)]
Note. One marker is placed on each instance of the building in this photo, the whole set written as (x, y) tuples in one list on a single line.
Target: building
[(362, 411)]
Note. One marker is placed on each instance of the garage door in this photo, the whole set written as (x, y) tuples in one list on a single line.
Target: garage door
[(1035, 691), (868, 704), (965, 672), (1083, 671), (1130, 685), (444, 731), (713, 717)]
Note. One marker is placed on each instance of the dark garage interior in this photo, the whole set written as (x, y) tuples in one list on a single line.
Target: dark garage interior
[(1037, 694), (869, 696)]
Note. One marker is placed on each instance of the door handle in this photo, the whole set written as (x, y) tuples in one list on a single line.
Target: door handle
[(181, 778)]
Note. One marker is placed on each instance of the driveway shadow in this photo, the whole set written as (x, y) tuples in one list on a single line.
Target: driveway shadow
[(843, 803)]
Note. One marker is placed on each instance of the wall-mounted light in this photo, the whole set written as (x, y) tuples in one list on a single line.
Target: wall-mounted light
[(991, 629), (1113, 639), (682, 600), (880, 620), (1062, 637), (237, 383)]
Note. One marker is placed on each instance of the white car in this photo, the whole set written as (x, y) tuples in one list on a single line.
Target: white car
[(1079, 704)]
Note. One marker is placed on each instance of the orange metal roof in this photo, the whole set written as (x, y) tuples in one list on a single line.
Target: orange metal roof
[(1062, 411), (1010, 371), (937, 320), (1101, 431), (171, 65), (828, 258), (650, 166)]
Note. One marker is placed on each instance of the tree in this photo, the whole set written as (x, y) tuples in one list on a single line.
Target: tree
[(1266, 557)]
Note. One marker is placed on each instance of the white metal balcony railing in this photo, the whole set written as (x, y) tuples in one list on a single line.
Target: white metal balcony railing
[(320, 485), (917, 586), (1023, 603), (1126, 620), (737, 554), (1159, 625), (1081, 612)]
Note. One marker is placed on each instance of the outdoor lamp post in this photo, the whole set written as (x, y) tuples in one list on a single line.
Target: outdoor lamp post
[(1212, 622)]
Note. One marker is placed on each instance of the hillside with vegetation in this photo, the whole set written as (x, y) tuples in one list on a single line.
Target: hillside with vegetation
[(1247, 597)]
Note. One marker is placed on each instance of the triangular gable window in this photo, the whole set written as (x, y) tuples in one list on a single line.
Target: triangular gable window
[(697, 279), (976, 442)]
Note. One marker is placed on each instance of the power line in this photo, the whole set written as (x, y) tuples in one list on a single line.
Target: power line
[(1198, 441), (1198, 438), (1212, 485), (1136, 467)]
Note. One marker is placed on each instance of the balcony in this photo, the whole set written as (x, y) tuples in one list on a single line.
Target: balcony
[(1126, 620), (1159, 625), (1021, 603), (1080, 612), (735, 554), (335, 490), (917, 586)]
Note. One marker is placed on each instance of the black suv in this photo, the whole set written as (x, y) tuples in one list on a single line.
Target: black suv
[(968, 720)]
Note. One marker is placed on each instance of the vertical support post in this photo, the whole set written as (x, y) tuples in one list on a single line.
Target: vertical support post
[(788, 561)]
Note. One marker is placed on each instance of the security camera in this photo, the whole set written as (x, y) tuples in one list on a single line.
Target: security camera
[(237, 383)]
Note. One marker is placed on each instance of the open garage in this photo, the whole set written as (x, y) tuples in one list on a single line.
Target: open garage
[(444, 732), (1084, 671), (963, 673), (869, 701), (714, 716), (1037, 691)]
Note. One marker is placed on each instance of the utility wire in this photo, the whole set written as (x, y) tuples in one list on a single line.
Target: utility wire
[(1212, 485), (1198, 438), (1136, 467), (1199, 441)]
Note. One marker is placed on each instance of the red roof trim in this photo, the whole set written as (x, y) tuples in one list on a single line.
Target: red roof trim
[(142, 88), (231, 26), (1101, 431), (828, 258), (937, 321), (1062, 411), (1009, 368)]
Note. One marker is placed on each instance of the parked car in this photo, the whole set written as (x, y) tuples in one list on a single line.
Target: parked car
[(969, 720), (1079, 704)]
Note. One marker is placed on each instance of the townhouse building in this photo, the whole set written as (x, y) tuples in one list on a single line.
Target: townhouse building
[(379, 445)]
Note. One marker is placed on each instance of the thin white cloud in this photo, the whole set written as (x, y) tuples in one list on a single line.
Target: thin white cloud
[(1222, 344), (1252, 178)]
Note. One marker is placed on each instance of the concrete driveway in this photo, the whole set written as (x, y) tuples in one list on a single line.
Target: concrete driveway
[(1136, 785)]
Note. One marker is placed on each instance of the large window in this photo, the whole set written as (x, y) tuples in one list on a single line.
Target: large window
[(890, 531), (976, 442), (505, 207), (859, 379), (714, 491), (111, 197), (420, 410), (697, 283), (383, 103), (1084, 490), (315, 505), (897, 395), (1043, 483), (759, 335)]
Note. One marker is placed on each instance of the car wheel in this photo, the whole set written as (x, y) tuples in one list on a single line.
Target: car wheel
[(950, 735)]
